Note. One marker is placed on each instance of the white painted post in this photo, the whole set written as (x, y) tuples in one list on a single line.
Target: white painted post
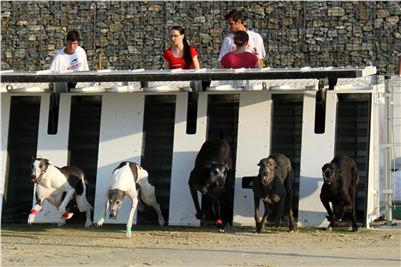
[(317, 149), (253, 144), (5, 103), (120, 139), (186, 147), (376, 155)]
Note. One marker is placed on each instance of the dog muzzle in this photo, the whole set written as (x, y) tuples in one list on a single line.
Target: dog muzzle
[(113, 214), (266, 179), (36, 179), (330, 179)]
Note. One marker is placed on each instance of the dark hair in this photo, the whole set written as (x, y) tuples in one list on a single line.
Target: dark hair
[(240, 38), (72, 36), (235, 15), (187, 49)]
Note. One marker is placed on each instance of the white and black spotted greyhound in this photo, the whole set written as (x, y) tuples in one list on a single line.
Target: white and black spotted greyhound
[(52, 183), (131, 180)]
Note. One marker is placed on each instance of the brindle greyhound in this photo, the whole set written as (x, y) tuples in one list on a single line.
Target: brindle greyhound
[(209, 175), (340, 186), (274, 185)]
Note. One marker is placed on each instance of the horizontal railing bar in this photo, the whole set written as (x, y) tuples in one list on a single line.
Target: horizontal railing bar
[(185, 75)]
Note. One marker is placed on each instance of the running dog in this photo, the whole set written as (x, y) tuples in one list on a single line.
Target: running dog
[(341, 179), (58, 186), (131, 180), (209, 175), (274, 185)]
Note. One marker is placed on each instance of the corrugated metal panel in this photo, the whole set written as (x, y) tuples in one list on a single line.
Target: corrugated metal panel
[(22, 144), (157, 151), (83, 141), (352, 138), (287, 134)]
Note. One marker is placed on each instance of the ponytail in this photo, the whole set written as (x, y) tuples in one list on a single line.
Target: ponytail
[(187, 53)]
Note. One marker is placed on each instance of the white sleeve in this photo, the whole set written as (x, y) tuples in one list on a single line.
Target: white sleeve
[(225, 48), (260, 46), (54, 64), (83, 59)]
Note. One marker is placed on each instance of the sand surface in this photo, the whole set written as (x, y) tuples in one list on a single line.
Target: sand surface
[(73, 245)]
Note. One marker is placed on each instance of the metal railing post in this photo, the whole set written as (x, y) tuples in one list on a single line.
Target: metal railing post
[(388, 192)]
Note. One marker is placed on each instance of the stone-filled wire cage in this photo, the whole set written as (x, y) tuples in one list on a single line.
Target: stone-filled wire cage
[(134, 34)]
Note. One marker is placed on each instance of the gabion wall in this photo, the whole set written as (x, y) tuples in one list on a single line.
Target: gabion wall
[(133, 34)]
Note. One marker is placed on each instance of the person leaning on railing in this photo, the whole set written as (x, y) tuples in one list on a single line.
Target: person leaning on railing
[(180, 55), (240, 58), (235, 21), (71, 57)]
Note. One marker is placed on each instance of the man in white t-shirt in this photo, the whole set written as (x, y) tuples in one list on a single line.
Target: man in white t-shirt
[(70, 58), (235, 21)]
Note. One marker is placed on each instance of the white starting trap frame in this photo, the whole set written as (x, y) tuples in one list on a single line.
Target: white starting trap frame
[(121, 132)]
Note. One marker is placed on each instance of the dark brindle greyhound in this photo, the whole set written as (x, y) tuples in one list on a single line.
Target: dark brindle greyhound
[(274, 185), (340, 184), (209, 175)]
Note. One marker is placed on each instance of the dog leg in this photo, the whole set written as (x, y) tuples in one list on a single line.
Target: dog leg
[(194, 195), (105, 208), (279, 215), (256, 201), (147, 194), (84, 206), (36, 208), (353, 197), (217, 208), (61, 222), (141, 206), (134, 205), (326, 203), (265, 214), (64, 204), (291, 222)]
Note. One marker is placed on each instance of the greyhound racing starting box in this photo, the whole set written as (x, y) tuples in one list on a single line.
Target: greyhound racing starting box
[(160, 119)]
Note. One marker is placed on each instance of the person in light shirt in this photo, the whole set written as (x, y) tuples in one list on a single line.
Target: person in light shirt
[(235, 20), (240, 58), (70, 58)]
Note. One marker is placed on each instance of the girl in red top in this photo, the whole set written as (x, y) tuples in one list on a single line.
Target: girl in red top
[(181, 55)]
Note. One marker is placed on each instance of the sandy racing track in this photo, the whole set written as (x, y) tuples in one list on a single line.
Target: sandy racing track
[(73, 245)]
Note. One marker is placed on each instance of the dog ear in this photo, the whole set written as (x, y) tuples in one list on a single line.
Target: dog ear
[(274, 162), (260, 162), (226, 167), (325, 166)]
